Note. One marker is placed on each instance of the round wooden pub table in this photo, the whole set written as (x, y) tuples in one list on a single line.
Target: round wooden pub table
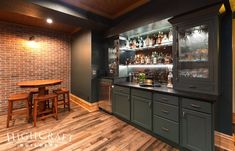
[(41, 85)]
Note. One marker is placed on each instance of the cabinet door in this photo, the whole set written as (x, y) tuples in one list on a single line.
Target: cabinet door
[(141, 112), (121, 105), (196, 131), (196, 56)]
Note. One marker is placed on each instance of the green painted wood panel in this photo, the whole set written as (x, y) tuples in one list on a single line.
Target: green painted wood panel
[(196, 131), (141, 112), (121, 105), (166, 128)]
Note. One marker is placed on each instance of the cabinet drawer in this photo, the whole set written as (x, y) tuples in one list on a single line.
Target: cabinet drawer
[(196, 87), (167, 111), (173, 100), (196, 105), (121, 89), (141, 93), (165, 128)]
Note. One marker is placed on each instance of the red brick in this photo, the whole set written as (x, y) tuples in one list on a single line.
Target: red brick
[(19, 62)]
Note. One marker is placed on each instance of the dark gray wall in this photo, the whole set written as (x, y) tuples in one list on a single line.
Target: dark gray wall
[(98, 61), (81, 65), (87, 64)]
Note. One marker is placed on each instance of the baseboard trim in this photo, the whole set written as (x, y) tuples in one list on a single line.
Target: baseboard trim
[(91, 107), (224, 141)]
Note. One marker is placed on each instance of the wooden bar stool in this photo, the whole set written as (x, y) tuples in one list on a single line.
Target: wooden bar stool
[(46, 113), (36, 92), (63, 92), (21, 97)]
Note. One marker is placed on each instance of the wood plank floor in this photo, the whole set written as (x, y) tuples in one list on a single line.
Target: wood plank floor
[(77, 130)]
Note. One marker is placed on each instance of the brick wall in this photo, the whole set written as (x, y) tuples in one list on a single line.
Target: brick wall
[(47, 58)]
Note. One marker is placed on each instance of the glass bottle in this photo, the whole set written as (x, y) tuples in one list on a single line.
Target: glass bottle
[(169, 78), (170, 35), (155, 58), (147, 41), (142, 61), (148, 60)]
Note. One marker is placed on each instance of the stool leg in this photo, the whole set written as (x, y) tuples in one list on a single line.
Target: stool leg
[(68, 101), (35, 112), (56, 107), (11, 109), (9, 113), (30, 104), (27, 111), (64, 100)]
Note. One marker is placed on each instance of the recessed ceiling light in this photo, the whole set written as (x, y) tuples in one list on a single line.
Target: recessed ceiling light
[(49, 21)]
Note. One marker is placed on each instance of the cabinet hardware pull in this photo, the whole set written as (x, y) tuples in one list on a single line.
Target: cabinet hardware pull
[(165, 99), (165, 111), (192, 87), (195, 106), (150, 104), (184, 114), (165, 129)]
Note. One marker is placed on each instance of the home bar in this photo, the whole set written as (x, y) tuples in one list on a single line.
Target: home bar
[(151, 75)]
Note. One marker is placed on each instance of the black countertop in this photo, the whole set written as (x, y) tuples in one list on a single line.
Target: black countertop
[(164, 90)]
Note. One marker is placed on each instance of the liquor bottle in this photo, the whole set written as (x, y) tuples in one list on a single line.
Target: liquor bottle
[(141, 43), (159, 37), (170, 35), (131, 43), (148, 60), (165, 39), (169, 79), (153, 40), (152, 56), (127, 43), (142, 61), (147, 41), (155, 58), (137, 43), (134, 43), (150, 42)]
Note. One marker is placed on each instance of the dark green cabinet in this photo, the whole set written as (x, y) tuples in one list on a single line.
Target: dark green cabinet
[(184, 121), (166, 116), (196, 52), (141, 112), (166, 128), (196, 131), (121, 104)]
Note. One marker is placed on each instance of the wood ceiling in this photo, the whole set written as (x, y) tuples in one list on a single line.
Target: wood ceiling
[(232, 3), (37, 22), (107, 8)]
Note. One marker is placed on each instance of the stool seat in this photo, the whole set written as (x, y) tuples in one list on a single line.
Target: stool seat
[(45, 98), (61, 91), (18, 97)]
